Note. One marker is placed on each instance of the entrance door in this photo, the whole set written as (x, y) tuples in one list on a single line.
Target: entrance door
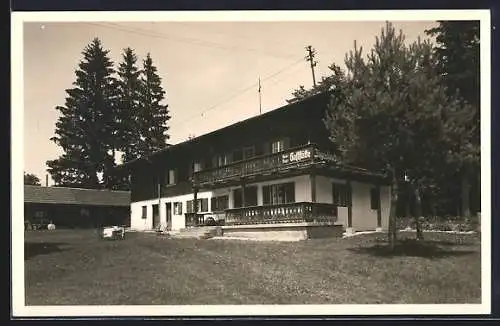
[(169, 215), (156, 216)]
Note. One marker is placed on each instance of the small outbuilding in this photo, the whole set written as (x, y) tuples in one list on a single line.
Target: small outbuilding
[(75, 207)]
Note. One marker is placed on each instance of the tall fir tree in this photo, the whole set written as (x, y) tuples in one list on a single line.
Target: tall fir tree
[(152, 119), (457, 50), (129, 105), (128, 97), (85, 128)]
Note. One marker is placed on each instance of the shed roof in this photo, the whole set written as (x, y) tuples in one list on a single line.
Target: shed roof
[(75, 196)]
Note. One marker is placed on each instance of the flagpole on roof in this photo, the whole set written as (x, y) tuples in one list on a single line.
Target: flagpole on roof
[(260, 99)]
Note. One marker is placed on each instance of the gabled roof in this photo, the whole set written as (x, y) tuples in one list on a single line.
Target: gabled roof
[(75, 196)]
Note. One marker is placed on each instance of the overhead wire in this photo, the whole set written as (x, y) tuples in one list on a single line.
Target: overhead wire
[(190, 40), (200, 42), (239, 36), (238, 93)]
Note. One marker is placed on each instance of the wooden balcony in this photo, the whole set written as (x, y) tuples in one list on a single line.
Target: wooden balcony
[(294, 158), (283, 213)]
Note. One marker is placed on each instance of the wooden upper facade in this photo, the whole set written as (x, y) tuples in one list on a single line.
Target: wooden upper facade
[(288, 140)]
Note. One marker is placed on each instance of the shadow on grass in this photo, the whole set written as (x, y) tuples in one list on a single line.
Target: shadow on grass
[(32, 249), (412, 248)]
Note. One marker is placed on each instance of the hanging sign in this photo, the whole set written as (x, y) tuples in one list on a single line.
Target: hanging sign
[(296, 156)]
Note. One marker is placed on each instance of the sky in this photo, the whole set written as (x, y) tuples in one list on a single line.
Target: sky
[(209, 70)]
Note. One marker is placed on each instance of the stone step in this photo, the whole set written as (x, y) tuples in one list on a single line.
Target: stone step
[(199, 232)]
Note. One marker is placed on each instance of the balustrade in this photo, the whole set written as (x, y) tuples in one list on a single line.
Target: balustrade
[(283, 213), (296, 157)]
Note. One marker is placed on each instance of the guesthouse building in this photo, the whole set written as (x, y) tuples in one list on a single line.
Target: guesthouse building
[(272, 171)]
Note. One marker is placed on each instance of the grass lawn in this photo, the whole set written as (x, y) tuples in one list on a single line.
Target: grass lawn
[(66, 267)]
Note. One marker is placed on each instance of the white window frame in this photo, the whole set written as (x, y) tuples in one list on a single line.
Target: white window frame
[(172, 176), (197, 166), (277, 146)]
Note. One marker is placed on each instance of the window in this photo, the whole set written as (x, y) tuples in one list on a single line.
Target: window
[(279, 193), (248, 152), (277, 146), (197, 166), (341, 195), (226, 159), (202, 205), (190, 206), (177, 208), (238, 202), (144, 212), (237, 155), (221, 160), (280, 145), (172, 177), (220, 203), (375, 198), (250, 197)]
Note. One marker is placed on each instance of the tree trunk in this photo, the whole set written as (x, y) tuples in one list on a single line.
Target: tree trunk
[(418, 212), (408, 195), (392, 214), (432, 204), (465, 209)]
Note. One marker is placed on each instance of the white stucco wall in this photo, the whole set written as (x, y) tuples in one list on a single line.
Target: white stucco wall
[(364, 218), (324, 189), (385, 202), (178, 221), (302, 193)]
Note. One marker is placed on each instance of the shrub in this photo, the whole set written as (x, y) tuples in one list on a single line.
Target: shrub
[(440, 223)]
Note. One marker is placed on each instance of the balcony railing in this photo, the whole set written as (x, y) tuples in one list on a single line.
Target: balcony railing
[(296, 157), (283, 213)]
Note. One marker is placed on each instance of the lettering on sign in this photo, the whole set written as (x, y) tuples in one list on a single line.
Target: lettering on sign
[(325, 156), (296, 156)]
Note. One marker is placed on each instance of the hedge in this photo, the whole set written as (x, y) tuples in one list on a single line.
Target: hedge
[(441, 223)]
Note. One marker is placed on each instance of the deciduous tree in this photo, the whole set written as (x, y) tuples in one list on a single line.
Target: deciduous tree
[(31, 179)]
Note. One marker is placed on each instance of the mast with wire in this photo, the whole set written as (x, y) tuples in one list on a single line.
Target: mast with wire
[(311, 53), (260, 98)]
